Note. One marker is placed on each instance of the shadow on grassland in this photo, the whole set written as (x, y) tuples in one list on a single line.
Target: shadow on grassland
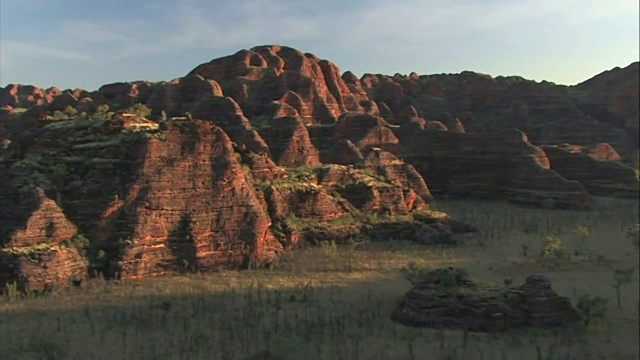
[(232, 316)]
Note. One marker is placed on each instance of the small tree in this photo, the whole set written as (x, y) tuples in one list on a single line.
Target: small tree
[(633, 234), (102, 112), (138, 109), (581, 233), (591, 308), (552, 250), (622, 277), (163, 116)]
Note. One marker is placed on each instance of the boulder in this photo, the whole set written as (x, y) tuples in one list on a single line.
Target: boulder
[(447, 298)]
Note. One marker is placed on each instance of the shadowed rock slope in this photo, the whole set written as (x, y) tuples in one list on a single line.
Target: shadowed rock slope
[(448, 299)]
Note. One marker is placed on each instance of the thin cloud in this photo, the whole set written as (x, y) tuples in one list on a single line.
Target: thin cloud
[(191, 25), (358, 35), (14, 51), (260, 22), (416, 20)]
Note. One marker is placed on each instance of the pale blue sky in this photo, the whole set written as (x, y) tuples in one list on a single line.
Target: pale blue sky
[(81, 43)]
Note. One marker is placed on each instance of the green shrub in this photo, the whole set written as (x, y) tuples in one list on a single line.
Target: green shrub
[(139, 110), (102, 109), (11, 291), (59, 115), (581, 233), (79, 242), (70, 111)]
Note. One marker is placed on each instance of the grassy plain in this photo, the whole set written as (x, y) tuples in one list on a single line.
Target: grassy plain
[(335, 302)]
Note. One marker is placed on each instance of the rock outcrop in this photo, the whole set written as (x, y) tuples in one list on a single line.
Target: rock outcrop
[(289, 142), (448, 299), (37, 252), (173, 196), (41, 268), (43, 222), (24, 96), (255, 78)]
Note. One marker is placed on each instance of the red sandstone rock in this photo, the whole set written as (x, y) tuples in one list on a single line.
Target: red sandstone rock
[(155, 202), (267, 73), (32, 257), (215, 221), (399, 173), (226, 113), (289, 142), (346, 153), (44, 223), (63, 100), (365, 131), (41, 269), (25, 96), (179, 197)]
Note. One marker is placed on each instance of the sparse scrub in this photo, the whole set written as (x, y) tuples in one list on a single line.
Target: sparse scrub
[(309, 308), (591, 308), (414, 273)]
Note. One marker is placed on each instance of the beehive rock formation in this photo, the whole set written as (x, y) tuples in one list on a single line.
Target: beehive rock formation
[(249, 154)]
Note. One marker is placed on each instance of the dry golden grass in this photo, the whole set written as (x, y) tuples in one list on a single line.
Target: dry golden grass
[(335, 303)]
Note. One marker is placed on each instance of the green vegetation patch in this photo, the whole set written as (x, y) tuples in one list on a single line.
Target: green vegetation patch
[(26, 250)]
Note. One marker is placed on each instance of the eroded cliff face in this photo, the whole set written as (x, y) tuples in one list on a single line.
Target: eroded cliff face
[(193, 205), (179, 196), (153, 201), (35, 253)]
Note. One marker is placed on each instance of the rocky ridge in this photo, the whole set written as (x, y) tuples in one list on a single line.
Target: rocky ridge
[(254, 153)]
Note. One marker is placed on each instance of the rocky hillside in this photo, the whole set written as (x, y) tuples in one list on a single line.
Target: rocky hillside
[(270, 148)]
